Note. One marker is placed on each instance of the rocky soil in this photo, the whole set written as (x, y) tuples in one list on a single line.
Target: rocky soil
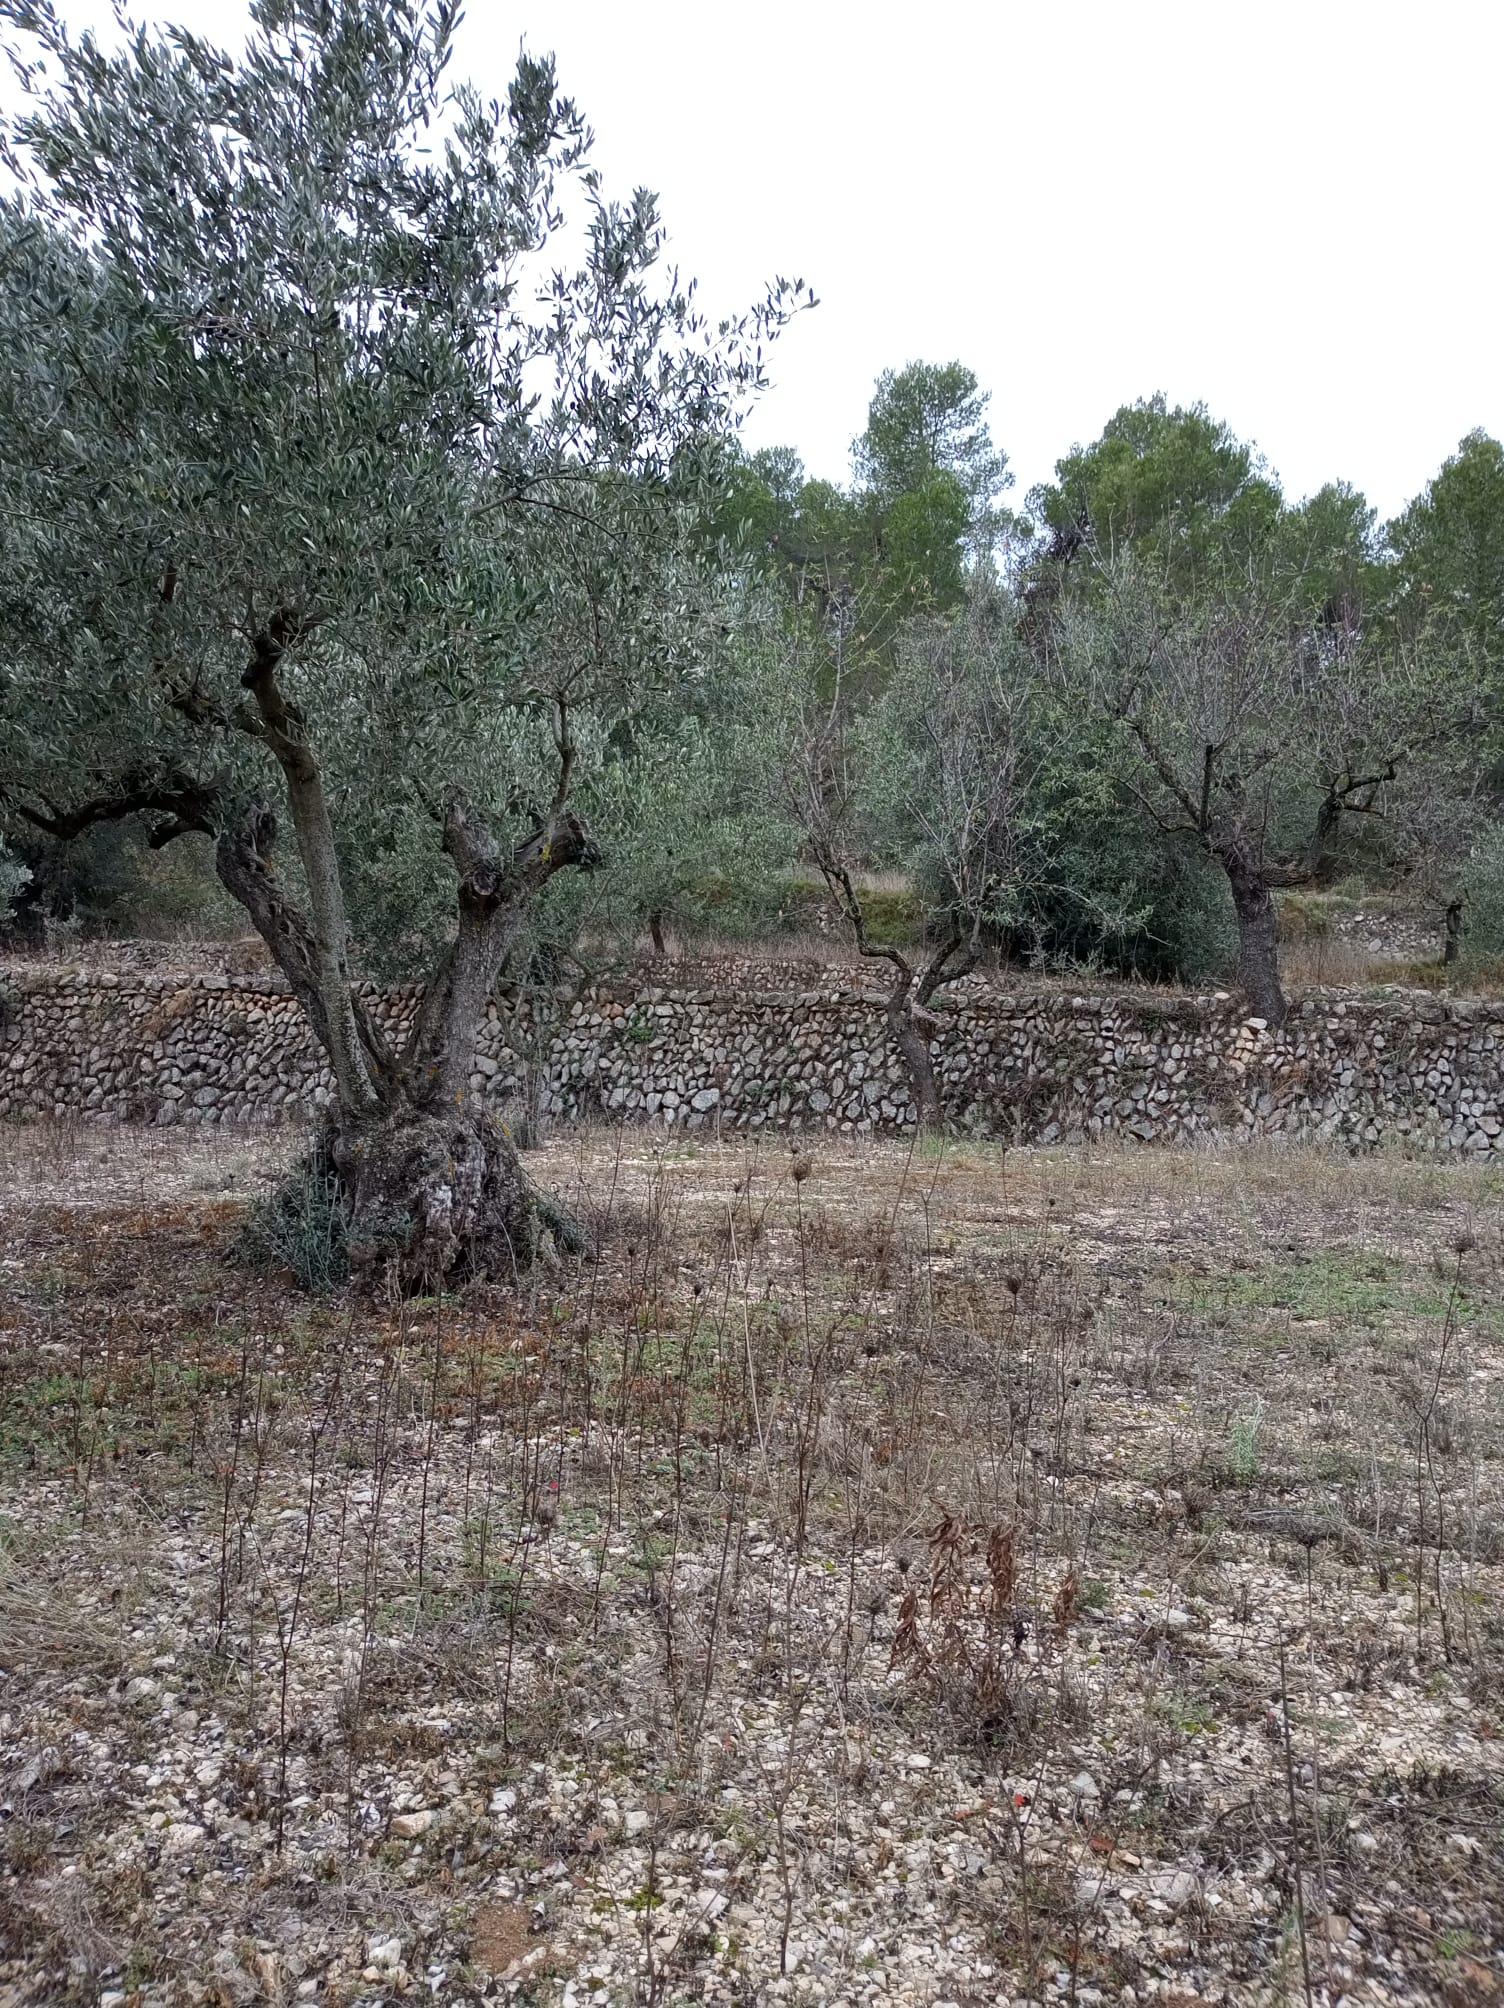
[(877, 1576)]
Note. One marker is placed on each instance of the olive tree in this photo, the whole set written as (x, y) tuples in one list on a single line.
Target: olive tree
[(1255, 734), (931, 776), (698, 849), (351, 443), (1443, 834)]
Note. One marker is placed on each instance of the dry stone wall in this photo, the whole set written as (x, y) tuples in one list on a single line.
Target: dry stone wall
[(1031, 1067)]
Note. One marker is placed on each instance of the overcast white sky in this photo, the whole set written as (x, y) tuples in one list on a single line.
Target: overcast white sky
[(1287, 208)]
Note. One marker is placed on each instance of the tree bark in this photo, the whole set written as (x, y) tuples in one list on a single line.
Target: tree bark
[(655, 933), (1451, 952), (496, 895), (912, 1026), (1327, 822), (915, 1025), (1258, 947), (243, 863), (429, 1187), (431, 1190), (328, 938), (438, 1198), (426, 1199)]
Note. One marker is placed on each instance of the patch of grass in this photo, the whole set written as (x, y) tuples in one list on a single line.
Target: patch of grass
[(1362, 1287), (1459, 979), (893, 914), (1243, 1447), (1307, 915), (304, 1226)]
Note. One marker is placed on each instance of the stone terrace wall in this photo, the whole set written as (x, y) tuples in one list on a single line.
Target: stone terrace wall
[(1042, 1067)]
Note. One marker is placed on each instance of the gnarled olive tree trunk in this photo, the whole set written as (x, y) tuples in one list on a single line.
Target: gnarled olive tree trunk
[(911, 1025), (429, 1182), (1451, 948)]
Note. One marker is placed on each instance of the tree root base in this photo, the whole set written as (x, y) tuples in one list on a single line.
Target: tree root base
[(436, 1200)]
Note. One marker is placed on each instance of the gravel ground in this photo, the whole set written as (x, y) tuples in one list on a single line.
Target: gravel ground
[(955, 1576)]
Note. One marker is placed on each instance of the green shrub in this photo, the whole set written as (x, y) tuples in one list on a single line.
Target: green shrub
[(742, 906), (304, 1227), (1483, 893), (893, 915), (14, 877), (1113, 901), (1417, 975)]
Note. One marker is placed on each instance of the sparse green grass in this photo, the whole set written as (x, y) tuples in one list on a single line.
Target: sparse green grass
[(1355, 1292)]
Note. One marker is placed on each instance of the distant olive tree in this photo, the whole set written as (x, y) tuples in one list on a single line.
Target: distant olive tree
[(692, 850), (1475, 910), (932, 776), (324, 493), (1254, 735), (1444, 844)]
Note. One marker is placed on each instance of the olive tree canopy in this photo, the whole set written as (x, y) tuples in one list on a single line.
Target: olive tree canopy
[(350, 442), (1254, 733)]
